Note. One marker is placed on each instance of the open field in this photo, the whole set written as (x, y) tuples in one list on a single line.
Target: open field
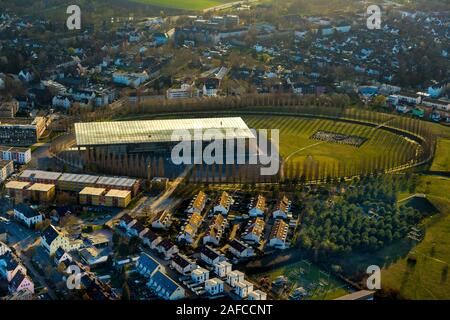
[(183, 4), (442, 159), (296, 144)]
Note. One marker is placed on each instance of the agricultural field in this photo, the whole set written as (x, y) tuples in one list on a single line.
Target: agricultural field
[(184, 4), (297, 145)]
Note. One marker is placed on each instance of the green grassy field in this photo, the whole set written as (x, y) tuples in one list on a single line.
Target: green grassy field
[(427, 279), (184, 4), (296, 145), (442, 158)]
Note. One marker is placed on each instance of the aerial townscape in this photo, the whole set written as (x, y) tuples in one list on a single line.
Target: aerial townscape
[(224, 150)]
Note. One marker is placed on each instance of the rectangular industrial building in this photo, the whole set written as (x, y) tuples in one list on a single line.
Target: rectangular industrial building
[(153, 131), (102, 197), (72, 182), (21, 191), (92, 196), (76, 182)]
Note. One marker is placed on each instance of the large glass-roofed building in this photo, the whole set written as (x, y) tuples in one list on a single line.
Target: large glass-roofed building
[(156, 137)]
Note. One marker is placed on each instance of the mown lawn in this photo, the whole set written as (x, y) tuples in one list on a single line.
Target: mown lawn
[(441, 160), (184, 4), (295, 142), (427, 278)]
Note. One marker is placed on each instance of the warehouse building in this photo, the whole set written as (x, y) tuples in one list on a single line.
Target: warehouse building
[(150, 139)]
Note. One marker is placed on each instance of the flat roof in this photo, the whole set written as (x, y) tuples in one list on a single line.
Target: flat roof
[(92, 191), (116, 181), (19, 185), (41, 187), (39, 174), (81, 178), (147, 131), (118, 193)]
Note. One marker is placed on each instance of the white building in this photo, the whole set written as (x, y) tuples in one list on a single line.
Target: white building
[(185, 92), (257, 295), (214, 286), (223, 268), (27, 215), (234, 277), (223, 206), (16, 154), (257, 209), (243, 288), (200, 275)]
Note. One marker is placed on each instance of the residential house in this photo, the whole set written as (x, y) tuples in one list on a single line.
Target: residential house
[(165, 287), (52, 239), (6, 169), (146, 265), (200, 275), (151, 239), (243, 288), (162, 220), (257, 209), (27, 215), (223, 268), (254, 230), (257, 295), (190, 229), (234, 277), (137, 230), (216, 230), (16, 154), (224, 203), (240, 249), (167, 248), (198, 203), (126, 222), (21, 282), (61, 256), (210, 255), (282, 208), (182, 264), (278, 234), (10, 265), (214, 286)]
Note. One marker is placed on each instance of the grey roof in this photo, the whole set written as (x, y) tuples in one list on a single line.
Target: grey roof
[(148, 262), (129, 132), (116, 181), (165, 282), (27, 211), (39, 174), (82, 178)]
